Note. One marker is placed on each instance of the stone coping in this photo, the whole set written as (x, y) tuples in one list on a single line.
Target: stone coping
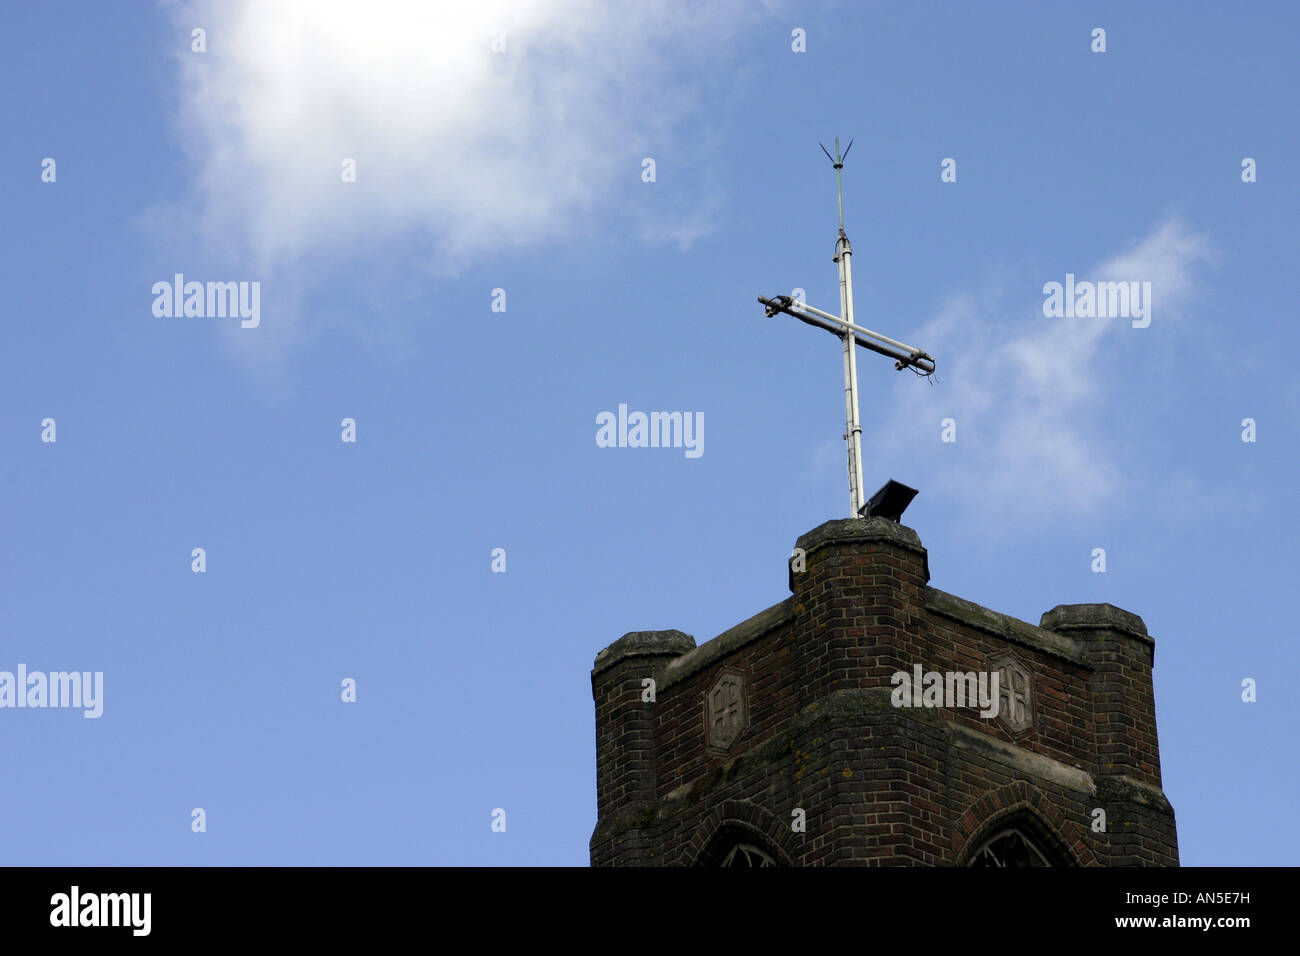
[(1004, 626)]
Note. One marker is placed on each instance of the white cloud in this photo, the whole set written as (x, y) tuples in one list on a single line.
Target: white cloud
[(468, 149), (1030, 394)]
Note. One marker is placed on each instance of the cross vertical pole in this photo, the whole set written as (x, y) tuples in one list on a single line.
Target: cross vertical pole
[(852, 426)]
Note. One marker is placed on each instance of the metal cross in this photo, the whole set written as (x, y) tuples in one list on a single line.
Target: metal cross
[(842, 325)]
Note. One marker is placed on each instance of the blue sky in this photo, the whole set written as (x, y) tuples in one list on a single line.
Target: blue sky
[(522, 170)]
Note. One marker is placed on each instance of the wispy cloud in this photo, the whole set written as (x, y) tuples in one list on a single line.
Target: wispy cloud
[(469, 148), (1030, 394)]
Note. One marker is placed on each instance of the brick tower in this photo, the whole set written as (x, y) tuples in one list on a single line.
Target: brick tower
[(789, 739)]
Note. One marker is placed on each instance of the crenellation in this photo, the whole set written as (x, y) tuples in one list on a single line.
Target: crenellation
[(792, 708)]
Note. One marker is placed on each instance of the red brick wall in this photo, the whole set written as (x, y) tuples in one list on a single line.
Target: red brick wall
[(879, 785)]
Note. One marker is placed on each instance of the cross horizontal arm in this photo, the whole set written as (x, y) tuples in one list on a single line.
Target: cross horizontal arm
[(904, 355), (805, 307)]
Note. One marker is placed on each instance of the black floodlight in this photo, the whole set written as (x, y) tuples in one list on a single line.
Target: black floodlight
[(889, 502)]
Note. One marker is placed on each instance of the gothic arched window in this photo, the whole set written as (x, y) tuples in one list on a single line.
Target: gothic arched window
[(1009, 848), (746, 854)]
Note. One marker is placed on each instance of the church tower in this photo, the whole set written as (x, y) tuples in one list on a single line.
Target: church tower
[(858, 723)]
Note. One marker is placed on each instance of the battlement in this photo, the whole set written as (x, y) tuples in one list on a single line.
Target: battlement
[(844, 725)]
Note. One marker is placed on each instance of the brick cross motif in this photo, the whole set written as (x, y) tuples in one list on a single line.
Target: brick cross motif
[(1014, 693), (726, 704)]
